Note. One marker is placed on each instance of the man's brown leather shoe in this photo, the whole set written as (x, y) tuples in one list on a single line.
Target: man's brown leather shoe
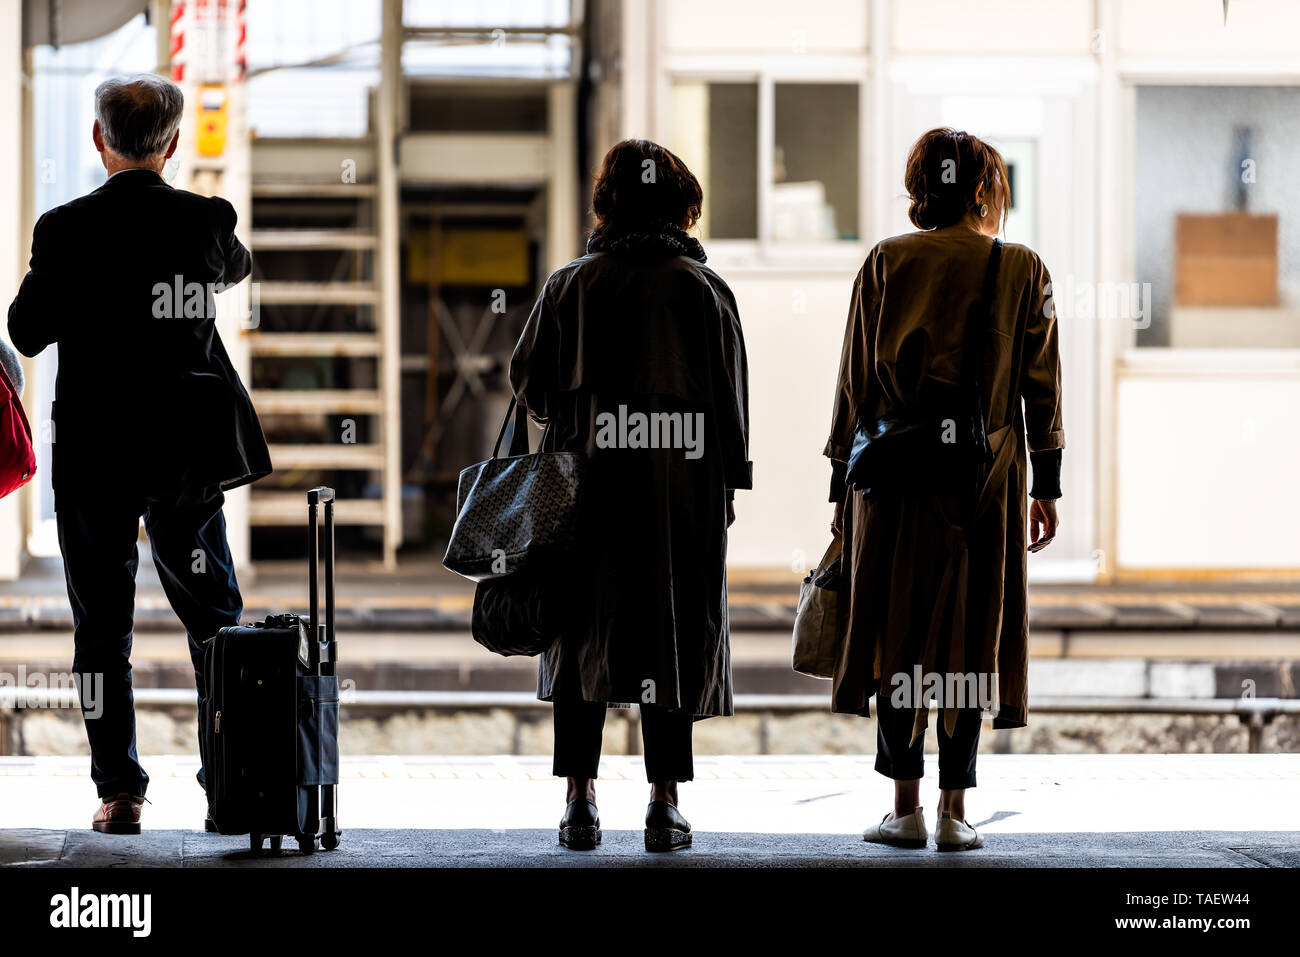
[(119, 815)]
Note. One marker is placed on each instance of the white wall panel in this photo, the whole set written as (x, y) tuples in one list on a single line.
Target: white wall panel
[(735, 26), (1052, 108), (992, 26), (794, 327), (1168, 27), (1206, 463)]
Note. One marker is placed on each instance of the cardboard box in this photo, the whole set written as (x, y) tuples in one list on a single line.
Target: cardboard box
[(1225, 259)]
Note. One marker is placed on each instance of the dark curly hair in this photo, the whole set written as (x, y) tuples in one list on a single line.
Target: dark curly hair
[(641, 184), (945, 169)]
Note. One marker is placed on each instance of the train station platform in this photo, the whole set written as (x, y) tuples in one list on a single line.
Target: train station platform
[(1103, 811), (407, 632)]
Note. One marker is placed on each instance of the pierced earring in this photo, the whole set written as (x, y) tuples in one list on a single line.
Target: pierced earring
[(984, 210)]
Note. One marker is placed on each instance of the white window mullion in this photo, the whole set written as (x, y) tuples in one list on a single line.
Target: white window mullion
[(766, 160), (874, 142)]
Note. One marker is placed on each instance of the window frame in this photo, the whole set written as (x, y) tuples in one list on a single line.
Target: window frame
[(766, 72), (1131, 75)]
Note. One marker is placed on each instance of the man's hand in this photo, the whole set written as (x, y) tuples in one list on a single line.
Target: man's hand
[(837, 523), (1043, 524), (731, 513)]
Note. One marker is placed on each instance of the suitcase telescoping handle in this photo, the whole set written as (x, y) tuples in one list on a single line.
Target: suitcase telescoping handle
[(323, 637), (322, 631)]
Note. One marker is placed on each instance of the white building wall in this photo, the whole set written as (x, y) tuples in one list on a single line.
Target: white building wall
[(1038, 88), (743, 26), (991, 27), (1207, 462), (1053, 82), (794, 327)]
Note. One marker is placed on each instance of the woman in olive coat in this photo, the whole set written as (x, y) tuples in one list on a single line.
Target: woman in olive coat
[(934, 586), (633, 355)]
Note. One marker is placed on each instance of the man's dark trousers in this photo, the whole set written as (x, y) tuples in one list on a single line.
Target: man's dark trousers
[(98, 535)]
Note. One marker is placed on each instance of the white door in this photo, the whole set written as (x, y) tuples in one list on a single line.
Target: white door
[(1041, 119)]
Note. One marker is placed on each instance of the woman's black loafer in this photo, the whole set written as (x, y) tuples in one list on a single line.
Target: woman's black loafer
[(665, 828), (580, 828)]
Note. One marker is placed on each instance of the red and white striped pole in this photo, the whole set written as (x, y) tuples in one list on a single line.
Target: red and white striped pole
[(241, 35), (178, 41)]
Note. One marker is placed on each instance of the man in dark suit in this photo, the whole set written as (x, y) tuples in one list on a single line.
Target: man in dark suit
[(150, 417)]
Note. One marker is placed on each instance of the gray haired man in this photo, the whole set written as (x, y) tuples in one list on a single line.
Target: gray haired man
[(150, 416)]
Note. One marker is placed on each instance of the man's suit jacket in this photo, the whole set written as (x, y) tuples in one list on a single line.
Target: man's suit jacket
[(146, 397)]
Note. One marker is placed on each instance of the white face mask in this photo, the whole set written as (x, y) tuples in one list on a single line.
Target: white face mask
[(170, 169)]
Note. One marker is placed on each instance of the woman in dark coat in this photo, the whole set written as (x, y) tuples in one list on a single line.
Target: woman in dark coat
[(633, 355), (936, 584)]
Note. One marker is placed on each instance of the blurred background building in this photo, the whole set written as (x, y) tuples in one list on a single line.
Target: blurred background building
[(408, 173)]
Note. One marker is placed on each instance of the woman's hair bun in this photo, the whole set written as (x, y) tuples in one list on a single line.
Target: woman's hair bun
[(946, 168)]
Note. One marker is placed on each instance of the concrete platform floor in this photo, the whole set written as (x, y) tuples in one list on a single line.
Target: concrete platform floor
[(1232, 811)]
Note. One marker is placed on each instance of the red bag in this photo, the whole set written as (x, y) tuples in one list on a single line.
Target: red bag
[(17, 454)]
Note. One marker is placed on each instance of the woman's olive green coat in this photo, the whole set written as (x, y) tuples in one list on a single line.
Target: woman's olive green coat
[(927, 585)]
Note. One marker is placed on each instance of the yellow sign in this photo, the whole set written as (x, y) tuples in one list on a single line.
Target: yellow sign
[(212, 120), (470, 257)]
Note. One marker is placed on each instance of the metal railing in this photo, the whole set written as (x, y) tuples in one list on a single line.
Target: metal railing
[(1255, 713)]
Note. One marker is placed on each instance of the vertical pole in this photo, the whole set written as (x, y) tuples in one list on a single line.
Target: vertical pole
[(387, 144), (766, 158), (1255, 732), (635, 80), (1111, 266), (160, 15), (874, 115), (562, 183)]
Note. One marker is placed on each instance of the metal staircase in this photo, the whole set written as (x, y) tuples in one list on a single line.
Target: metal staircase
[(318, 267)]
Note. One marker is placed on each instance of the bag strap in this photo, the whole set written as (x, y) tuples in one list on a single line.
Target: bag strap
[(519, 412), (519, 436), (980, 322), (833, 551)]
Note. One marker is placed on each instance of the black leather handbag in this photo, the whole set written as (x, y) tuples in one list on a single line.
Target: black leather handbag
[(940, 446), (513, 511), (522, 614)]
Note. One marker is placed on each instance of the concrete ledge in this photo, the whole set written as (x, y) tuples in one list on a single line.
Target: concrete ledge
[(767, 725)]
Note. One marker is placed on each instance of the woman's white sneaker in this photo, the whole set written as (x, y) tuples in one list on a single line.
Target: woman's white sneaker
[(955, 835), (906, 831)]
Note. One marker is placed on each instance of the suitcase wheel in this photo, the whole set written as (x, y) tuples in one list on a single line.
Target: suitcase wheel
[(307, 845), (329, 840)]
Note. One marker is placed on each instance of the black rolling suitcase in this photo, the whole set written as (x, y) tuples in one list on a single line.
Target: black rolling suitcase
[(271, 716)]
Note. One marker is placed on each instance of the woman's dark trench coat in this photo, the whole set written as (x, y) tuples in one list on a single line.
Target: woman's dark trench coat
[(653, 334), (929, 586)]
